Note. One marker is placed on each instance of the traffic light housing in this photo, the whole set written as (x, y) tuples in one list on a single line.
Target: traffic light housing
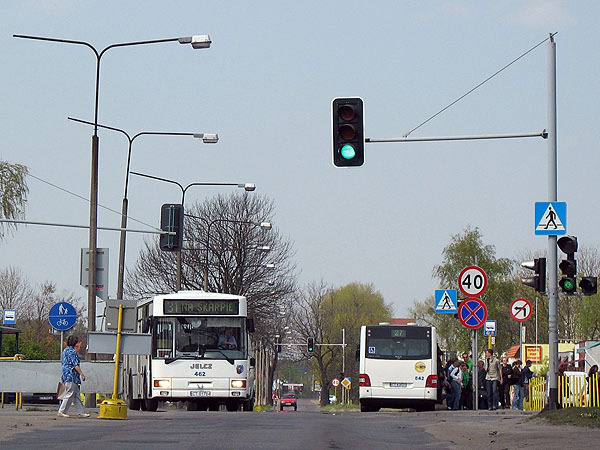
[(568, 267), (171, 220), (310, 344), (278, 346), (589, 285), (348, 132), (538, 280)]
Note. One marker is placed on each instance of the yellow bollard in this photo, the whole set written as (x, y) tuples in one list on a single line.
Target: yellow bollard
[(114, 408)]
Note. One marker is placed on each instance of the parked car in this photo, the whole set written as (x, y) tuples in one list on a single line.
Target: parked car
[(332, 398), (288, 400)]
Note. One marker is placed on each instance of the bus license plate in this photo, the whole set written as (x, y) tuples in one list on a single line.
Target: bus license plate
[(199, 393), (398, 385)]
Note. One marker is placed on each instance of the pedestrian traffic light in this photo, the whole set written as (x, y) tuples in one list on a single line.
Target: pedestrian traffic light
[(568, 267), (310, 344), (537, 281), (171, 221), (348, 132), (589, 285)]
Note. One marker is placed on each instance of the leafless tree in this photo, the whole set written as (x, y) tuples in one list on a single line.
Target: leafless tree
[(223, 234), (15, 292)]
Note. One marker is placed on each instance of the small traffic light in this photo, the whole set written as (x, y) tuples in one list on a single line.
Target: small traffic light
[(310, 344), (171, 220), (278, 346), (568, 245), (538, 281), (589, 285), (457, 308), (348, 132)]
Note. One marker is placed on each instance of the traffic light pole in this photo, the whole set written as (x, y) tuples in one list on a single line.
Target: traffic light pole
[(552, 401)]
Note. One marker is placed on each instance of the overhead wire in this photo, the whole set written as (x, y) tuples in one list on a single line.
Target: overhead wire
[(479, 85)]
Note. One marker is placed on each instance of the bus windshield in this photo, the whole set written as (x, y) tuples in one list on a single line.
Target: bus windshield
[(405, 343), (199, 337)]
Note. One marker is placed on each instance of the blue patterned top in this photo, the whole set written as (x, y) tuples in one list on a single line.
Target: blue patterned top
[(70, 359)]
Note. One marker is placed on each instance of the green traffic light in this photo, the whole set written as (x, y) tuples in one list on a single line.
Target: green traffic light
[(568, 285), (348, 151)]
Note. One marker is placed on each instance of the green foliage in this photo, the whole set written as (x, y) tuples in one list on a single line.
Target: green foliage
[(13, 192)]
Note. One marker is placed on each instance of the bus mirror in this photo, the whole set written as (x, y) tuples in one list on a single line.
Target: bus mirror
[(250, 325), (252, 361), (146, 325)]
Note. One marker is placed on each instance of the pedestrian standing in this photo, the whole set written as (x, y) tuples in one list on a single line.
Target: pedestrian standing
[(456, 381), (517, 382), (466, 394), (71, 378), (481, 373), (505, 384), (527, 376), (493, 378)]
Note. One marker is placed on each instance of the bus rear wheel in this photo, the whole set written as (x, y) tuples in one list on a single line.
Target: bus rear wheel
[(150, 404), (368, 407)]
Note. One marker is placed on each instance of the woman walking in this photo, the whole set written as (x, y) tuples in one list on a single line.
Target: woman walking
[(71, 378)]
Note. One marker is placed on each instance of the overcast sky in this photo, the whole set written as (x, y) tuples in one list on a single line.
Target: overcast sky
[(265, 86)]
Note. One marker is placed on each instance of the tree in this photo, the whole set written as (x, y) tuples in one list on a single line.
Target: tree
[(13, 193), (466, 249), (322, 313), (222, 233)]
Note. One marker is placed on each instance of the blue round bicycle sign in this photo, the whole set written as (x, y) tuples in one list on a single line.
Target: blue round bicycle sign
[(62, 316)]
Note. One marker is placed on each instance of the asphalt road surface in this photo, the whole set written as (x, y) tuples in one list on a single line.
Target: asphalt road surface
[(307, 428)]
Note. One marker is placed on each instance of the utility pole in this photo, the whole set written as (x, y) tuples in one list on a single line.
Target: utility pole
[(552, 402)]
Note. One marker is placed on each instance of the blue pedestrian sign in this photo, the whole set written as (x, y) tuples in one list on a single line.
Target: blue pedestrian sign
[(446, 301), (550, 218), (62, 316)]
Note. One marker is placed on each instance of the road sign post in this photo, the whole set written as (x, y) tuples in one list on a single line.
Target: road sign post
[(472, 281), (472, 313)]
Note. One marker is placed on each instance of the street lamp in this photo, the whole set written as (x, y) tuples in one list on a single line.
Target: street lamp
[(207, 138), (265, 248), (248, 187), (197, 41)]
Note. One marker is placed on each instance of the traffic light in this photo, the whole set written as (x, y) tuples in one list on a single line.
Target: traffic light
[(568, 267), (171, 220), (538, 281), (457, 307), (310, 344), (278, 346), (348, 132), (589, 285)]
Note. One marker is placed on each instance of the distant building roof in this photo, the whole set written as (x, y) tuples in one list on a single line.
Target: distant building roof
[(513, 352), (400, 321)]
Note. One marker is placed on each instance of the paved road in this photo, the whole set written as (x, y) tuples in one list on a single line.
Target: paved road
[(308, 428)]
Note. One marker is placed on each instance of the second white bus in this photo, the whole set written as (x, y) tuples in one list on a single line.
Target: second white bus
[(398, 367)]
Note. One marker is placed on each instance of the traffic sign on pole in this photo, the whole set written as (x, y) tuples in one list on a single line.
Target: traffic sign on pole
[(490, 328), (62, 316), (521, 309), (335, 382), (472, 281), (445, 301), (472, 313)]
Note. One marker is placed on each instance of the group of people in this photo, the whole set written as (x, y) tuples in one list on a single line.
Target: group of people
[(494, 381)]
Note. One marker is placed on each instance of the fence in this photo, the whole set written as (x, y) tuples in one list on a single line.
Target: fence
[(573, 391)]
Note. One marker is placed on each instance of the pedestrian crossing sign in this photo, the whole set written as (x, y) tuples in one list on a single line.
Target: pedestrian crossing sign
[(446, 301), (551, 218)]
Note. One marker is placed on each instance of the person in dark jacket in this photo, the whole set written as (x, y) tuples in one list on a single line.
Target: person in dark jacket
[(517, 380), (527, 376), (481, 372), (506, 383)]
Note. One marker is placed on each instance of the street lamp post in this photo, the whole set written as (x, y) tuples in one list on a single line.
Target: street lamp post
[(207, 138), (248, 187), (198, 41), (265, 248)]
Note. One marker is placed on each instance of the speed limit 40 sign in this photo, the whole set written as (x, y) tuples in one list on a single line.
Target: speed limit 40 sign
[(472, 281)]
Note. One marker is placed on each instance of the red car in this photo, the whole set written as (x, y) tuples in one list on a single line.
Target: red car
[(288, 400)]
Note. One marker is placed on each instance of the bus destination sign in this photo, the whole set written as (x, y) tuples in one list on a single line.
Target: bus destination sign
[(202, 307)]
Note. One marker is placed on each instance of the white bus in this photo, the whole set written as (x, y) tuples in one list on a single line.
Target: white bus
[(200, 353), (398, 367)]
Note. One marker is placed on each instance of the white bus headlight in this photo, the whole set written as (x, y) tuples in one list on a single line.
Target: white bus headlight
[(238, 384), (164, 384)]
